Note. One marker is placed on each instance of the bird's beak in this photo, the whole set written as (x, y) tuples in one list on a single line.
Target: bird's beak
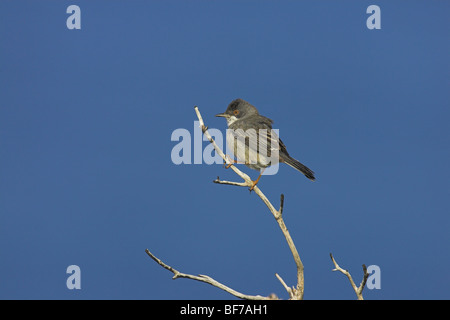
[(223, 115)]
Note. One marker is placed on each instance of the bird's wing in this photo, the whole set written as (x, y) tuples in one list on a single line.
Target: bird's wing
[(264, 140)]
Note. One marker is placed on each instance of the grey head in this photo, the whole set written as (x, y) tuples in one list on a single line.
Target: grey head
[(240, 109)]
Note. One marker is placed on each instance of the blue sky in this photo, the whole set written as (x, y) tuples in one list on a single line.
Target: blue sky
[(86, 118)]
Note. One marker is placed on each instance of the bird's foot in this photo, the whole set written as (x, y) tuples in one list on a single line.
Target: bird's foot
[(253, 186), (230, 160), (254, 183)]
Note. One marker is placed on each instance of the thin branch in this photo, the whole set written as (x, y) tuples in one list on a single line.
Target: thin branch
[(205, 279), (288, 289), (358, 290), (231, 183)]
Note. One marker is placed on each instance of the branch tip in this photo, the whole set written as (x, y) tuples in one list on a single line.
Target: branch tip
[(281, 204)]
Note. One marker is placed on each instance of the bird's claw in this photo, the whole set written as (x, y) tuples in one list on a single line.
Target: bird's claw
[(228, 165)]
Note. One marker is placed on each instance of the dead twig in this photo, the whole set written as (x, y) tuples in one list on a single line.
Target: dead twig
[(358, 290), (205, 279)]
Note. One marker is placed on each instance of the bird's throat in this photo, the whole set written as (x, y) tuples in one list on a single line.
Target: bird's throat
[(231, 120)]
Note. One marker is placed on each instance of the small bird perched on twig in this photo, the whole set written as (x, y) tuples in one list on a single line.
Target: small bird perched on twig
[(246, 124)]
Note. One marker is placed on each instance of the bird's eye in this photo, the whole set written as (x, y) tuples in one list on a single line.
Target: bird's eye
[(236, 112)]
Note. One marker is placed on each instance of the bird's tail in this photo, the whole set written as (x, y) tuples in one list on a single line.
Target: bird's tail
[(300, 167)]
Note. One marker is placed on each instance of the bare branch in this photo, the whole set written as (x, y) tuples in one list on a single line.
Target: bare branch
[(231, 183), (205, 279), (288, 289), (358, 290), (298, 291), (295, 293)]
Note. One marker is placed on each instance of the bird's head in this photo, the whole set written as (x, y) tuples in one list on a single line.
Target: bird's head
[(238, 109)]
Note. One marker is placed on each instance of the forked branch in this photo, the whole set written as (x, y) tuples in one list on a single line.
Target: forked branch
[(295, 293), (358, 290)]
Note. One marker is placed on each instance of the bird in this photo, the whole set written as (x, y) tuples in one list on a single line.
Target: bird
[(244, 124)]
